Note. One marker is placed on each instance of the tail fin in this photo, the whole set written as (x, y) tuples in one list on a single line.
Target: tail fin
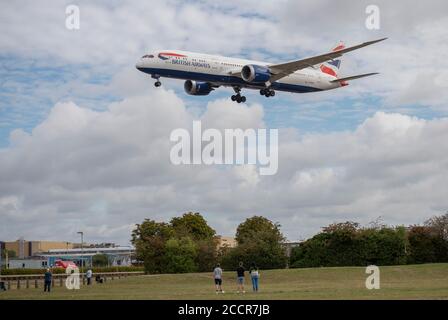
[(332, 67)]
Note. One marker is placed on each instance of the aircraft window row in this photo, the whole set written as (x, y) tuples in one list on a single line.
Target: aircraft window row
[(148, 56), (231, 64)]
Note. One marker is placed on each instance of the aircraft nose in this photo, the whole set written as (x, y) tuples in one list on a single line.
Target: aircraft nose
[(139, 65)]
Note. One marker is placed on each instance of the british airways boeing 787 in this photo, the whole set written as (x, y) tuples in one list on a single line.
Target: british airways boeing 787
[(204, 73)]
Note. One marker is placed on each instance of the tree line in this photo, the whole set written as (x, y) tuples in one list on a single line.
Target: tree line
[(188, 244), (349, 244)]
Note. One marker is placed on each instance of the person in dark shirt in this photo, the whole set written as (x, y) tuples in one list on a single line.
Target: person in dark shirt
[(47, 280), (240, 278)]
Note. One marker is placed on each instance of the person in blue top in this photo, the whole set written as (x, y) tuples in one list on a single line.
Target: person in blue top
[(254, 275), (47, 280)]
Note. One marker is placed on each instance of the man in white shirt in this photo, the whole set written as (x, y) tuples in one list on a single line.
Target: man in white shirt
[(89, 274), (217, 275)]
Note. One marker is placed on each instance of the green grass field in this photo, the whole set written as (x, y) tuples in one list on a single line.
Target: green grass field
[(428, 281)]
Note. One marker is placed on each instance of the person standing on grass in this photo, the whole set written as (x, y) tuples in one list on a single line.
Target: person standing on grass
[(254, 275), (47, 280), (240, 278), (89, 274), (217, 275)]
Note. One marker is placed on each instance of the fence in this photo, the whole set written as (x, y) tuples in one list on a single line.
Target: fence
[(37, 281)]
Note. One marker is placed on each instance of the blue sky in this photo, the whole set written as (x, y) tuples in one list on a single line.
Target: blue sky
[(79, 125)]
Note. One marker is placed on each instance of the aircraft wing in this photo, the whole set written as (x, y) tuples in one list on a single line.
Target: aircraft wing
[(284, 69)]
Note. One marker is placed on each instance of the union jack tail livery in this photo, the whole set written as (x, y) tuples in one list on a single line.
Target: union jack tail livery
[(332, 67)]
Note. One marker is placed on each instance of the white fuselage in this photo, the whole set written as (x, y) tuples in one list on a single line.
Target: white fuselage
[(224, 71)]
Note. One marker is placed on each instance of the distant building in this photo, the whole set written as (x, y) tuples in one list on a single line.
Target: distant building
[(228, 242), (24, 248), (117, 255), (289, 245), (43, 254), (30, 263)]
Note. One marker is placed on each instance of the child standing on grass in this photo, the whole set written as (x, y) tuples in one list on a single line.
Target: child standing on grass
[(217, 275), (254, 275)]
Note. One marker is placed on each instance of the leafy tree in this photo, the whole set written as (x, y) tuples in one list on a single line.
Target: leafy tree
[(157, 244), (348, 228), (439, 226), (179, 256), (149, 239), (253, 227), (429, 243), (100, 260), (259, 241), (207, 254), (421, 242), (192, 225)]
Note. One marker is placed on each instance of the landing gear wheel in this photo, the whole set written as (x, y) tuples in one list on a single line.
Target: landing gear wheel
[(267, 92), (238, 99), (157, 84)]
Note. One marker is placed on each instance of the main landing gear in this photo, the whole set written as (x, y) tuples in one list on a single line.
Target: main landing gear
[(238, 97), (157, 83), (267, 92)]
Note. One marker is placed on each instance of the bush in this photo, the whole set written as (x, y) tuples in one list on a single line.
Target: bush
[(61, 270), (346, 244), (422, 245), (100, 260)]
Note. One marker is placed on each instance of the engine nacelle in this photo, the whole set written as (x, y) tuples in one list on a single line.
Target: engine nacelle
[(197, 88), (256, 74)]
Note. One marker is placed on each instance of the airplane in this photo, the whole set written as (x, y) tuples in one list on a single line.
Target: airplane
[(204, 73)]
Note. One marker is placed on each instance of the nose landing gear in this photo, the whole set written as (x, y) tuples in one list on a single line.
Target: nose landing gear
[(157, 83)]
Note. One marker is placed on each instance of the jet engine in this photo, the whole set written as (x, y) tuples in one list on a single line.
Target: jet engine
[(197, 88), (255, 73)]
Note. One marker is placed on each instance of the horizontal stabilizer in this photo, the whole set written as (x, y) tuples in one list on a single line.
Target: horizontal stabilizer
[(354, 77)]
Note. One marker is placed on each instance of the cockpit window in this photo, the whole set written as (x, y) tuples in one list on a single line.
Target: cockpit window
[(148, 56)]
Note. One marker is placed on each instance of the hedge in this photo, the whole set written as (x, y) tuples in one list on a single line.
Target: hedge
[(24, 271)]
